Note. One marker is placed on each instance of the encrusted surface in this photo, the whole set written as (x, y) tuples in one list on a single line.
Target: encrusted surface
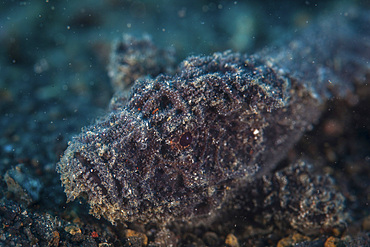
[(229, 108), (296, 197), (134, 58)]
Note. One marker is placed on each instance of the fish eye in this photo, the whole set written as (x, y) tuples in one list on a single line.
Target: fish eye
[(186, 139)]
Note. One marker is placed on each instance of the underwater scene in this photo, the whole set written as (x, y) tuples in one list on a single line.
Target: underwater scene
[(185, 123)]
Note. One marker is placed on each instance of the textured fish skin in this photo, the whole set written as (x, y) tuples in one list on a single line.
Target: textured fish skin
[(179, 145)]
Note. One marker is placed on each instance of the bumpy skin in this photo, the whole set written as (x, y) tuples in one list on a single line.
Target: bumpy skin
[(133, 165), (180, 145), (296, 197), (134, 58)]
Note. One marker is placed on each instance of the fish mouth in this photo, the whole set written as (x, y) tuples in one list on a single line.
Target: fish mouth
[(98, 185), (120, 194), (124, 181)]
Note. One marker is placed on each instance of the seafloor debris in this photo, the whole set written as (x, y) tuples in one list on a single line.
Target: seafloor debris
[(25, 227), (22, 187), (183, 145)]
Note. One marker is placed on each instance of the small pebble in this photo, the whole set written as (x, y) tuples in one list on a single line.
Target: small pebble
[(73, 230), (331, 242), (366, 224), (231, 240), (292, 239), (138, 236)]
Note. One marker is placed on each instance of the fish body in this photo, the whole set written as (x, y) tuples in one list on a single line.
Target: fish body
[(179, 145)]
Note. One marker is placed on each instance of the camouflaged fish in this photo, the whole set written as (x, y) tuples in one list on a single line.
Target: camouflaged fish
[(179, 144)]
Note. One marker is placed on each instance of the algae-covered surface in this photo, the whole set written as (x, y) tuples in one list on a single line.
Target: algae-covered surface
[(58, 74)]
